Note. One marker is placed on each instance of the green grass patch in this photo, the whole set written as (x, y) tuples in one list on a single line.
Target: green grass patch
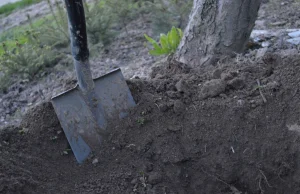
[(10, 7)]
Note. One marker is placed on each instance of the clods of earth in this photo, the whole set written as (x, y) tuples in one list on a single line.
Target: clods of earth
[(232, 129), (276, 30)]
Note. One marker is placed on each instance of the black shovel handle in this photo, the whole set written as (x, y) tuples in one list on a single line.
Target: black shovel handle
[(77, 27), (79, 46)]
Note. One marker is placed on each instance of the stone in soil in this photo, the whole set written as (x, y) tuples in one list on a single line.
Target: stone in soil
[(212, 88)]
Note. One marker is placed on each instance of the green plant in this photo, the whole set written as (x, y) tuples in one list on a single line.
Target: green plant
[(26, 60), (99, 20), (19, 33), (54, 31), (54, 138), (23, 131), (141, 121), (125, 10), (5, 82), (8, 37), (167, 44)]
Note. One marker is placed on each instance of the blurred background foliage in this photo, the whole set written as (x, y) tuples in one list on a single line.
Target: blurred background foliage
[(26, 50)]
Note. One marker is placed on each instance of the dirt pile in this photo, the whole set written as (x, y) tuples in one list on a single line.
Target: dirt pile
[(128, 52), (233, 129)]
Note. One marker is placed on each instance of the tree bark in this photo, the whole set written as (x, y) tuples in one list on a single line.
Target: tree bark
[(216, 28)]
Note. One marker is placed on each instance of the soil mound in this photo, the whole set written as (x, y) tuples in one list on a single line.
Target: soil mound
[(234, 129)]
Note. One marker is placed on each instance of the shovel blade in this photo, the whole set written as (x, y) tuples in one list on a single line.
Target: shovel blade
[(78, 120)]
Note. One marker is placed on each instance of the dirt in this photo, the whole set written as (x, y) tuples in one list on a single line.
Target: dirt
[(179, 139), (129, 54), (231, 129), (278, 14), (127, 51)]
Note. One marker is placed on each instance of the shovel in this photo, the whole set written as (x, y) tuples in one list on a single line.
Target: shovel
[(84, 111)]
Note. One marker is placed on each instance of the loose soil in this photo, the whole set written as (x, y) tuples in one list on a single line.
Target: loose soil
[(193, 131), (128, 51), (231, 129)]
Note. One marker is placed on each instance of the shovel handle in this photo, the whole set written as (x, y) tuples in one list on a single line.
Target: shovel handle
[(77, 28), (79, 46)]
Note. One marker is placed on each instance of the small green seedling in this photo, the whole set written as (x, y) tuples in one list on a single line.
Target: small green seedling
[(23, 131), (167, 44), (141, 121), (54, 138)]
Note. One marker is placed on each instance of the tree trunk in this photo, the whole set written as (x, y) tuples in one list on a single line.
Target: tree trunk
[(216, 28)]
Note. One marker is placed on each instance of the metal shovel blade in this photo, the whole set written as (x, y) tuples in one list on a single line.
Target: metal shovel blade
[(78, 121)]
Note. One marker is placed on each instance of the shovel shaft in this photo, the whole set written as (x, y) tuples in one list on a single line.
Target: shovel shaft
[(77, 29), (83, 111), (79, 46)]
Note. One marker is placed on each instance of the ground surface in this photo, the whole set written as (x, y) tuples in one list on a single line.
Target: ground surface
[(233, 128), (190, 133)]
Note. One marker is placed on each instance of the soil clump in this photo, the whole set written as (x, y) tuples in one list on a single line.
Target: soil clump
[(231, 130)]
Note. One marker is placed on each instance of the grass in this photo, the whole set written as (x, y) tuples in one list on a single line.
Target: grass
[(10, 7)]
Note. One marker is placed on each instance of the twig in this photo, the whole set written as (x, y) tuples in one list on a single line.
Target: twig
[(232, 149), (157, 106), (130, 145), (195, 108), (259, 89), (265, 178), (259, 185), (233, 188)]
